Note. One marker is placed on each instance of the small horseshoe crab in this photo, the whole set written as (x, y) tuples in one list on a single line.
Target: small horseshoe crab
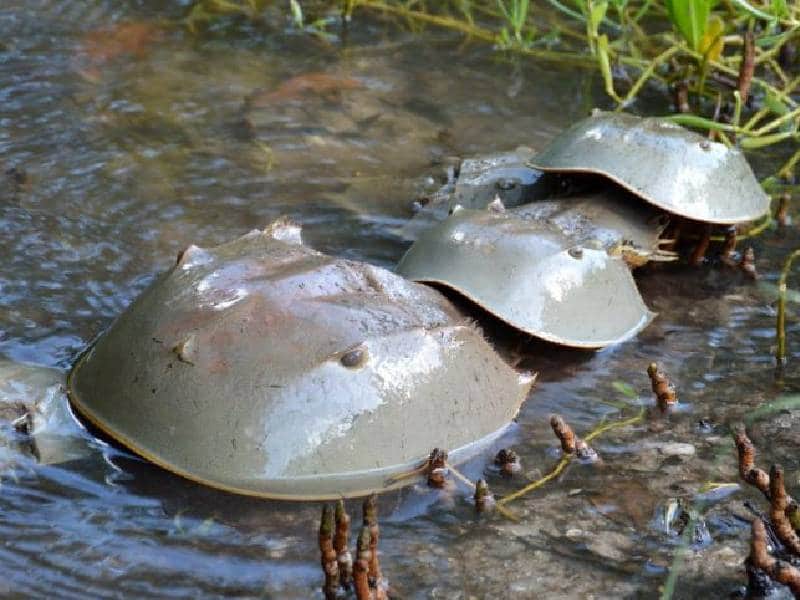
[(671, 167), (608, 219), (544, 274), (265, 368), (475, 182)]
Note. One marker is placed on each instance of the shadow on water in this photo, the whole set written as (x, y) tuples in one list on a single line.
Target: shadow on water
[(137, 138)]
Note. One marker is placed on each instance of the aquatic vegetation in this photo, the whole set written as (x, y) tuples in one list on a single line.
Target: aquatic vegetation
[(730, 66)]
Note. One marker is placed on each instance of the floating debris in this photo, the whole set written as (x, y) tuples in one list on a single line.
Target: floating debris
[(666, 396)]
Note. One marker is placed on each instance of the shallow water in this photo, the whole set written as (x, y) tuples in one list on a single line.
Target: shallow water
[(141, 139)]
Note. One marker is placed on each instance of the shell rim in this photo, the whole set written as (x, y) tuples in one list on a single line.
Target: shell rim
[(639, 194), (648, 318), (85, 413)]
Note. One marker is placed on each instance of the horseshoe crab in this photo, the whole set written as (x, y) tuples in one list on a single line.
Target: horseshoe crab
[(663, 163), (532, 275), (265, 368), (34, 417), (506, 176), (476, 182), (606, 219)]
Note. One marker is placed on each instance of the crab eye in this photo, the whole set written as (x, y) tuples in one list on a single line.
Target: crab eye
[(352, 359), (505, 185)]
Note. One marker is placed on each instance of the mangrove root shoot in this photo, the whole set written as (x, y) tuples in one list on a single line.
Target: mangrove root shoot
[(508, 462), (437, 468), (779, 570), (340, 541), (484, 500), (666, 396), (328, 554)]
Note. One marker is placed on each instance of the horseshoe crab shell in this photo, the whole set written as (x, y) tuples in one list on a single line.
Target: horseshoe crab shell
[(478, 182), (506, 176), (663, 163), (532, 276), (607, 219), (265, 368)]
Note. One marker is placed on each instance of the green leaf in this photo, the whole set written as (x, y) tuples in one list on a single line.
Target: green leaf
[(605, 66), (779, 9), (597, 15), (297, 13), (766, 140), (775, 104), (690, 18), (711, 44), (752, 10), (700, 123), (625, 389)]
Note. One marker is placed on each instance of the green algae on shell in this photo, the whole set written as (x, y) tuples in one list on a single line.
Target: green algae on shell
[(263, 367), (532, 276), (676, 169)]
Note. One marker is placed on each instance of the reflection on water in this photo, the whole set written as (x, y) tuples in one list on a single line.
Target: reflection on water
[(131, 138)]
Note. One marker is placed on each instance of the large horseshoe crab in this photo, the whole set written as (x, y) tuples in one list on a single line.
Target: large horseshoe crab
[(531, 274), (263, 367), (671, 167)]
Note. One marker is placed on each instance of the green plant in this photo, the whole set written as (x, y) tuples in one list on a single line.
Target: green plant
[(690, 18), (516, 15)]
